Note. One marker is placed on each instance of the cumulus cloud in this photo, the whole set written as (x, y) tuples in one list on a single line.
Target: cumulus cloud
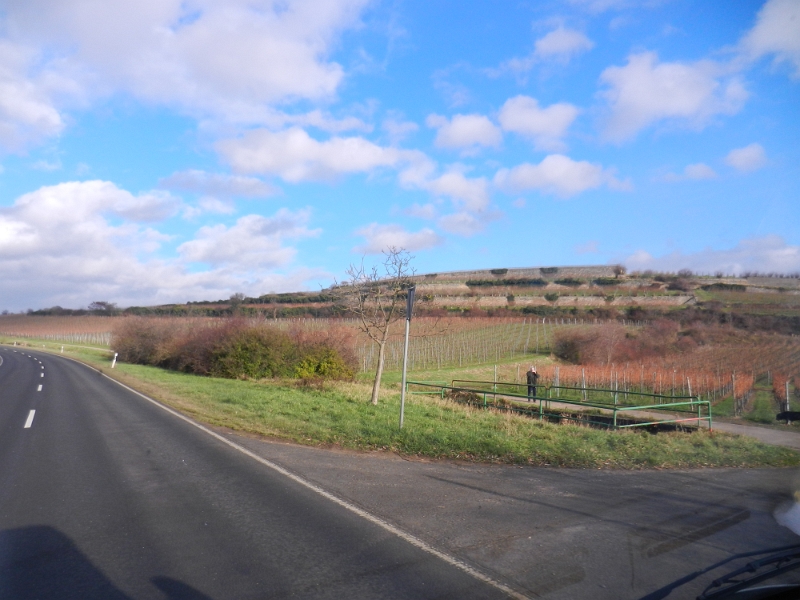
[(254, 241), (28, 95), (217, 184), (557, 174), (325, 122), (227, 59), (464, 131), (749, 158), (75, 242), (561, 44), (695, 171), (378, 238), (776, 33), (545, 126), (646, 91), (224, 62), (295, 156), (471, 193), (768, 254), (464, 223), (398, 129)]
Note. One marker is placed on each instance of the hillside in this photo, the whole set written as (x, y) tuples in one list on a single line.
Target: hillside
[(755, 301)]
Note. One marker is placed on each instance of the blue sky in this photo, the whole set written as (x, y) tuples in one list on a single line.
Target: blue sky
[(173, 150)]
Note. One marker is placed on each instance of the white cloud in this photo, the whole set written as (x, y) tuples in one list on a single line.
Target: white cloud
[(557, 174), (223, 62), (473, 193), (464, 131), (562, 43), (209, 204), (776, 32), (226, 59), (646, 91), (28, 114), (463, 223), (749, 158), (217, 184), (768, 254), (76, 242), (254, 241), (545, 126), (378, 238), (398, 129), (695, 171), (699, 171), (325, 122), (295, 156)]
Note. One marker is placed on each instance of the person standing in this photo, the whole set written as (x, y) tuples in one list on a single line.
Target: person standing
[(533, 379)]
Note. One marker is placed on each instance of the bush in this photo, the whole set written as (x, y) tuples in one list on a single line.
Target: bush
[(235, 349), (606, 281), (570, 281), (254, 353)]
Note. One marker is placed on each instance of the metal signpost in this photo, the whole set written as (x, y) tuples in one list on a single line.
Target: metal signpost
[(409, 307)]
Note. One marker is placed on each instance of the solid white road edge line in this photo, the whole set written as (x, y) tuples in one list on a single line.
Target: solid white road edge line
[(29, 422), (414, 541)]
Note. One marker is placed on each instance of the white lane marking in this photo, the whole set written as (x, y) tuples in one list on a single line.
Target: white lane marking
[(411, 539), (42, 366), (29, 422), (41, 374), (40, 388)]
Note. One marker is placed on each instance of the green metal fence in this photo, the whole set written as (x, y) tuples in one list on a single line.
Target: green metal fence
[(615, 409)]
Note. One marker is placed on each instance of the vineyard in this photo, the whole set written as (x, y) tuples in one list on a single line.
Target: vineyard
[(92, 330), (456, 342), (712, 372)]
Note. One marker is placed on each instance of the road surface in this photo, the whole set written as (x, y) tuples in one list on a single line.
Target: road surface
[(103, 494)]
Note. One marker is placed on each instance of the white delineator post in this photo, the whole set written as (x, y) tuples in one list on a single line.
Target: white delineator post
[(409, 307), (114, 361)]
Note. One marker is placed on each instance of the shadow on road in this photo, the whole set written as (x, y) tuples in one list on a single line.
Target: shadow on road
[(41, 563)]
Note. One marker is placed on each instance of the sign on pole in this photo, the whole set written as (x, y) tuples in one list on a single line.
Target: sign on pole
[(409, 309)]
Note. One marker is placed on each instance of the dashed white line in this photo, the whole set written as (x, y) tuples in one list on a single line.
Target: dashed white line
[(29, 422), (41, 374), (40, 388)]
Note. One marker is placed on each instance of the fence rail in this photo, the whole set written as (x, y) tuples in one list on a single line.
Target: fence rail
[(605, 409)]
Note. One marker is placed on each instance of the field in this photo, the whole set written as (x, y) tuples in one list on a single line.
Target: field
[(338, 415), (87, 329), (724, 371)]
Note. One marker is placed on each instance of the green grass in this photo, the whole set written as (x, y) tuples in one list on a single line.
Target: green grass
[(763, 408), (340, 415)]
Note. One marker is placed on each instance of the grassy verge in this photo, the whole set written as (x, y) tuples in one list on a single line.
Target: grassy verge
[(339, 415)]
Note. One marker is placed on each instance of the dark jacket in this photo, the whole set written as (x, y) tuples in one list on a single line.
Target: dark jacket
[(533, 377)]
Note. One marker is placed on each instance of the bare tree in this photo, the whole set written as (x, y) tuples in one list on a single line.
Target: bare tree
[(377, 297)]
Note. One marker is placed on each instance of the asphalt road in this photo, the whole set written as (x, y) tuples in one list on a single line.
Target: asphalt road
[(105, 495)]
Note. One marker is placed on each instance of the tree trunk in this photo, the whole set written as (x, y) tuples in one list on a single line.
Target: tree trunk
[(376, 386)]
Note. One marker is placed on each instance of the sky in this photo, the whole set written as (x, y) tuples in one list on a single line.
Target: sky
[(164, 151)]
